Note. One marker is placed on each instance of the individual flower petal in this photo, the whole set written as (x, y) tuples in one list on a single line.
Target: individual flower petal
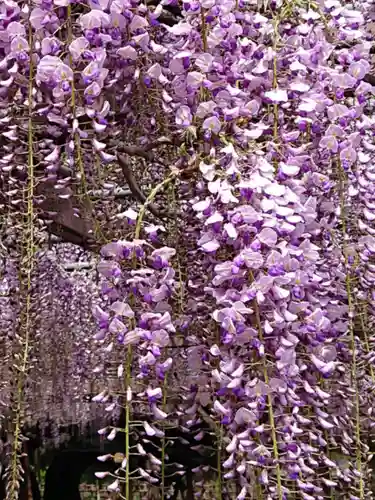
[(184, 116), (212, 123), (268, 237), (277, 95)]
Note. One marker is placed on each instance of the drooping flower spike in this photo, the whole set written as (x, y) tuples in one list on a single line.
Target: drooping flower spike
[(250, 307)]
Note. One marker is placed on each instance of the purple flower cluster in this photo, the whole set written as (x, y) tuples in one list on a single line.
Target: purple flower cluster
[(255, 302)]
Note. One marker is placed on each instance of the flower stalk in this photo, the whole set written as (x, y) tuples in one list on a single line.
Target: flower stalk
[(26, 268)]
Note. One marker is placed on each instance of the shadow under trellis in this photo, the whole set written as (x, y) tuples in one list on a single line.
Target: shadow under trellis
[(66, 465)]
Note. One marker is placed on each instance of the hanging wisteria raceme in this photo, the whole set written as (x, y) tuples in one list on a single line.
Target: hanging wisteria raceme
[(290, 201), (65, 306), (131, 290), (57, 391), (239, 291)]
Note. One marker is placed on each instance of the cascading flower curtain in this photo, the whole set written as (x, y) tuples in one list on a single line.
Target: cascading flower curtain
[(250, 304)]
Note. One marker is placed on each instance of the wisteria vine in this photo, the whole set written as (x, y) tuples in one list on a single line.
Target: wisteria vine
[(235, 281)]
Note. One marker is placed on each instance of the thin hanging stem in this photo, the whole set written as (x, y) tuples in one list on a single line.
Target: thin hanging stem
[(351, 314), (25, 276), (269, 404)]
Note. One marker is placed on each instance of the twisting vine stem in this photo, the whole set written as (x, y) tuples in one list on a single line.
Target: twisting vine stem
[(149, 200)]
